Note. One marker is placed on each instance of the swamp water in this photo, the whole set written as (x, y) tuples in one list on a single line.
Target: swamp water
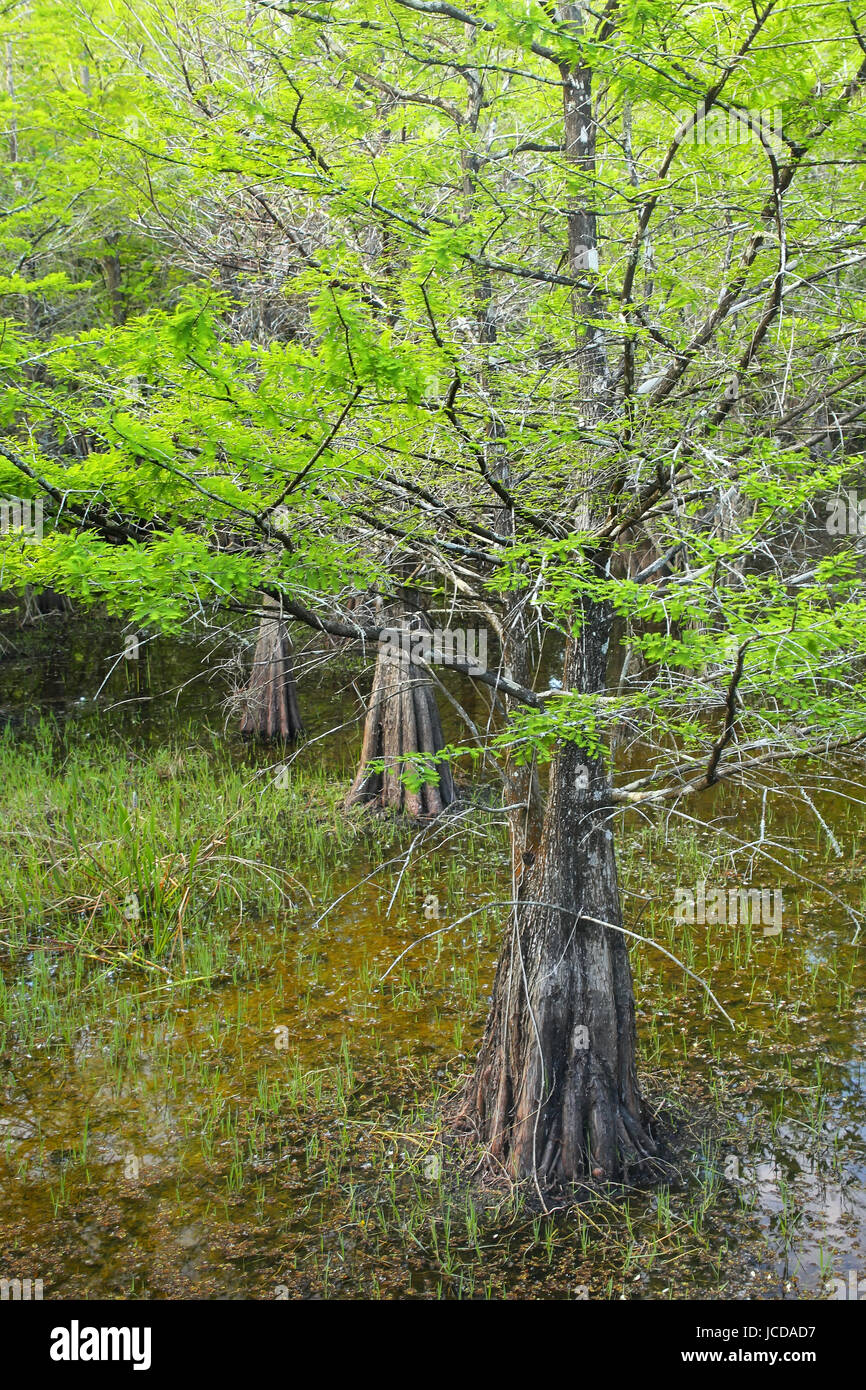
[(208, 1089)]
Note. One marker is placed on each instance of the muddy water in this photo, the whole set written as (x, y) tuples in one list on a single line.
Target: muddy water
[(264, 1135), (793, 1083)]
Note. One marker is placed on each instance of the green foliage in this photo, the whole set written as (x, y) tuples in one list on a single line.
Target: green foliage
[(287, 302)]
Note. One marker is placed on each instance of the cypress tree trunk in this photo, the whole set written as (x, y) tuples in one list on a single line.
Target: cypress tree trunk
[(270, 700), (554, 1094), (402, 720)]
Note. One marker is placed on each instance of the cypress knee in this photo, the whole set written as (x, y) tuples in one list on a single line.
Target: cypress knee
[(402, 721), (270, 700)]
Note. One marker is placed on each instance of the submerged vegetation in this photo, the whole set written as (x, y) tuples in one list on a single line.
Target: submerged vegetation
[(243, 1089)]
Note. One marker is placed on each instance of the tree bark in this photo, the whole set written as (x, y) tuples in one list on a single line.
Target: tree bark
[(402, 721), (554, 1095), (270, 703)]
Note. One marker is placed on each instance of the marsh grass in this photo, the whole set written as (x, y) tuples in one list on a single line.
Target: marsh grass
[(277, 1073), (106, 849)]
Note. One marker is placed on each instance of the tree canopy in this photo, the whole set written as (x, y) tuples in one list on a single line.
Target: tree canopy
[(550, 306)]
